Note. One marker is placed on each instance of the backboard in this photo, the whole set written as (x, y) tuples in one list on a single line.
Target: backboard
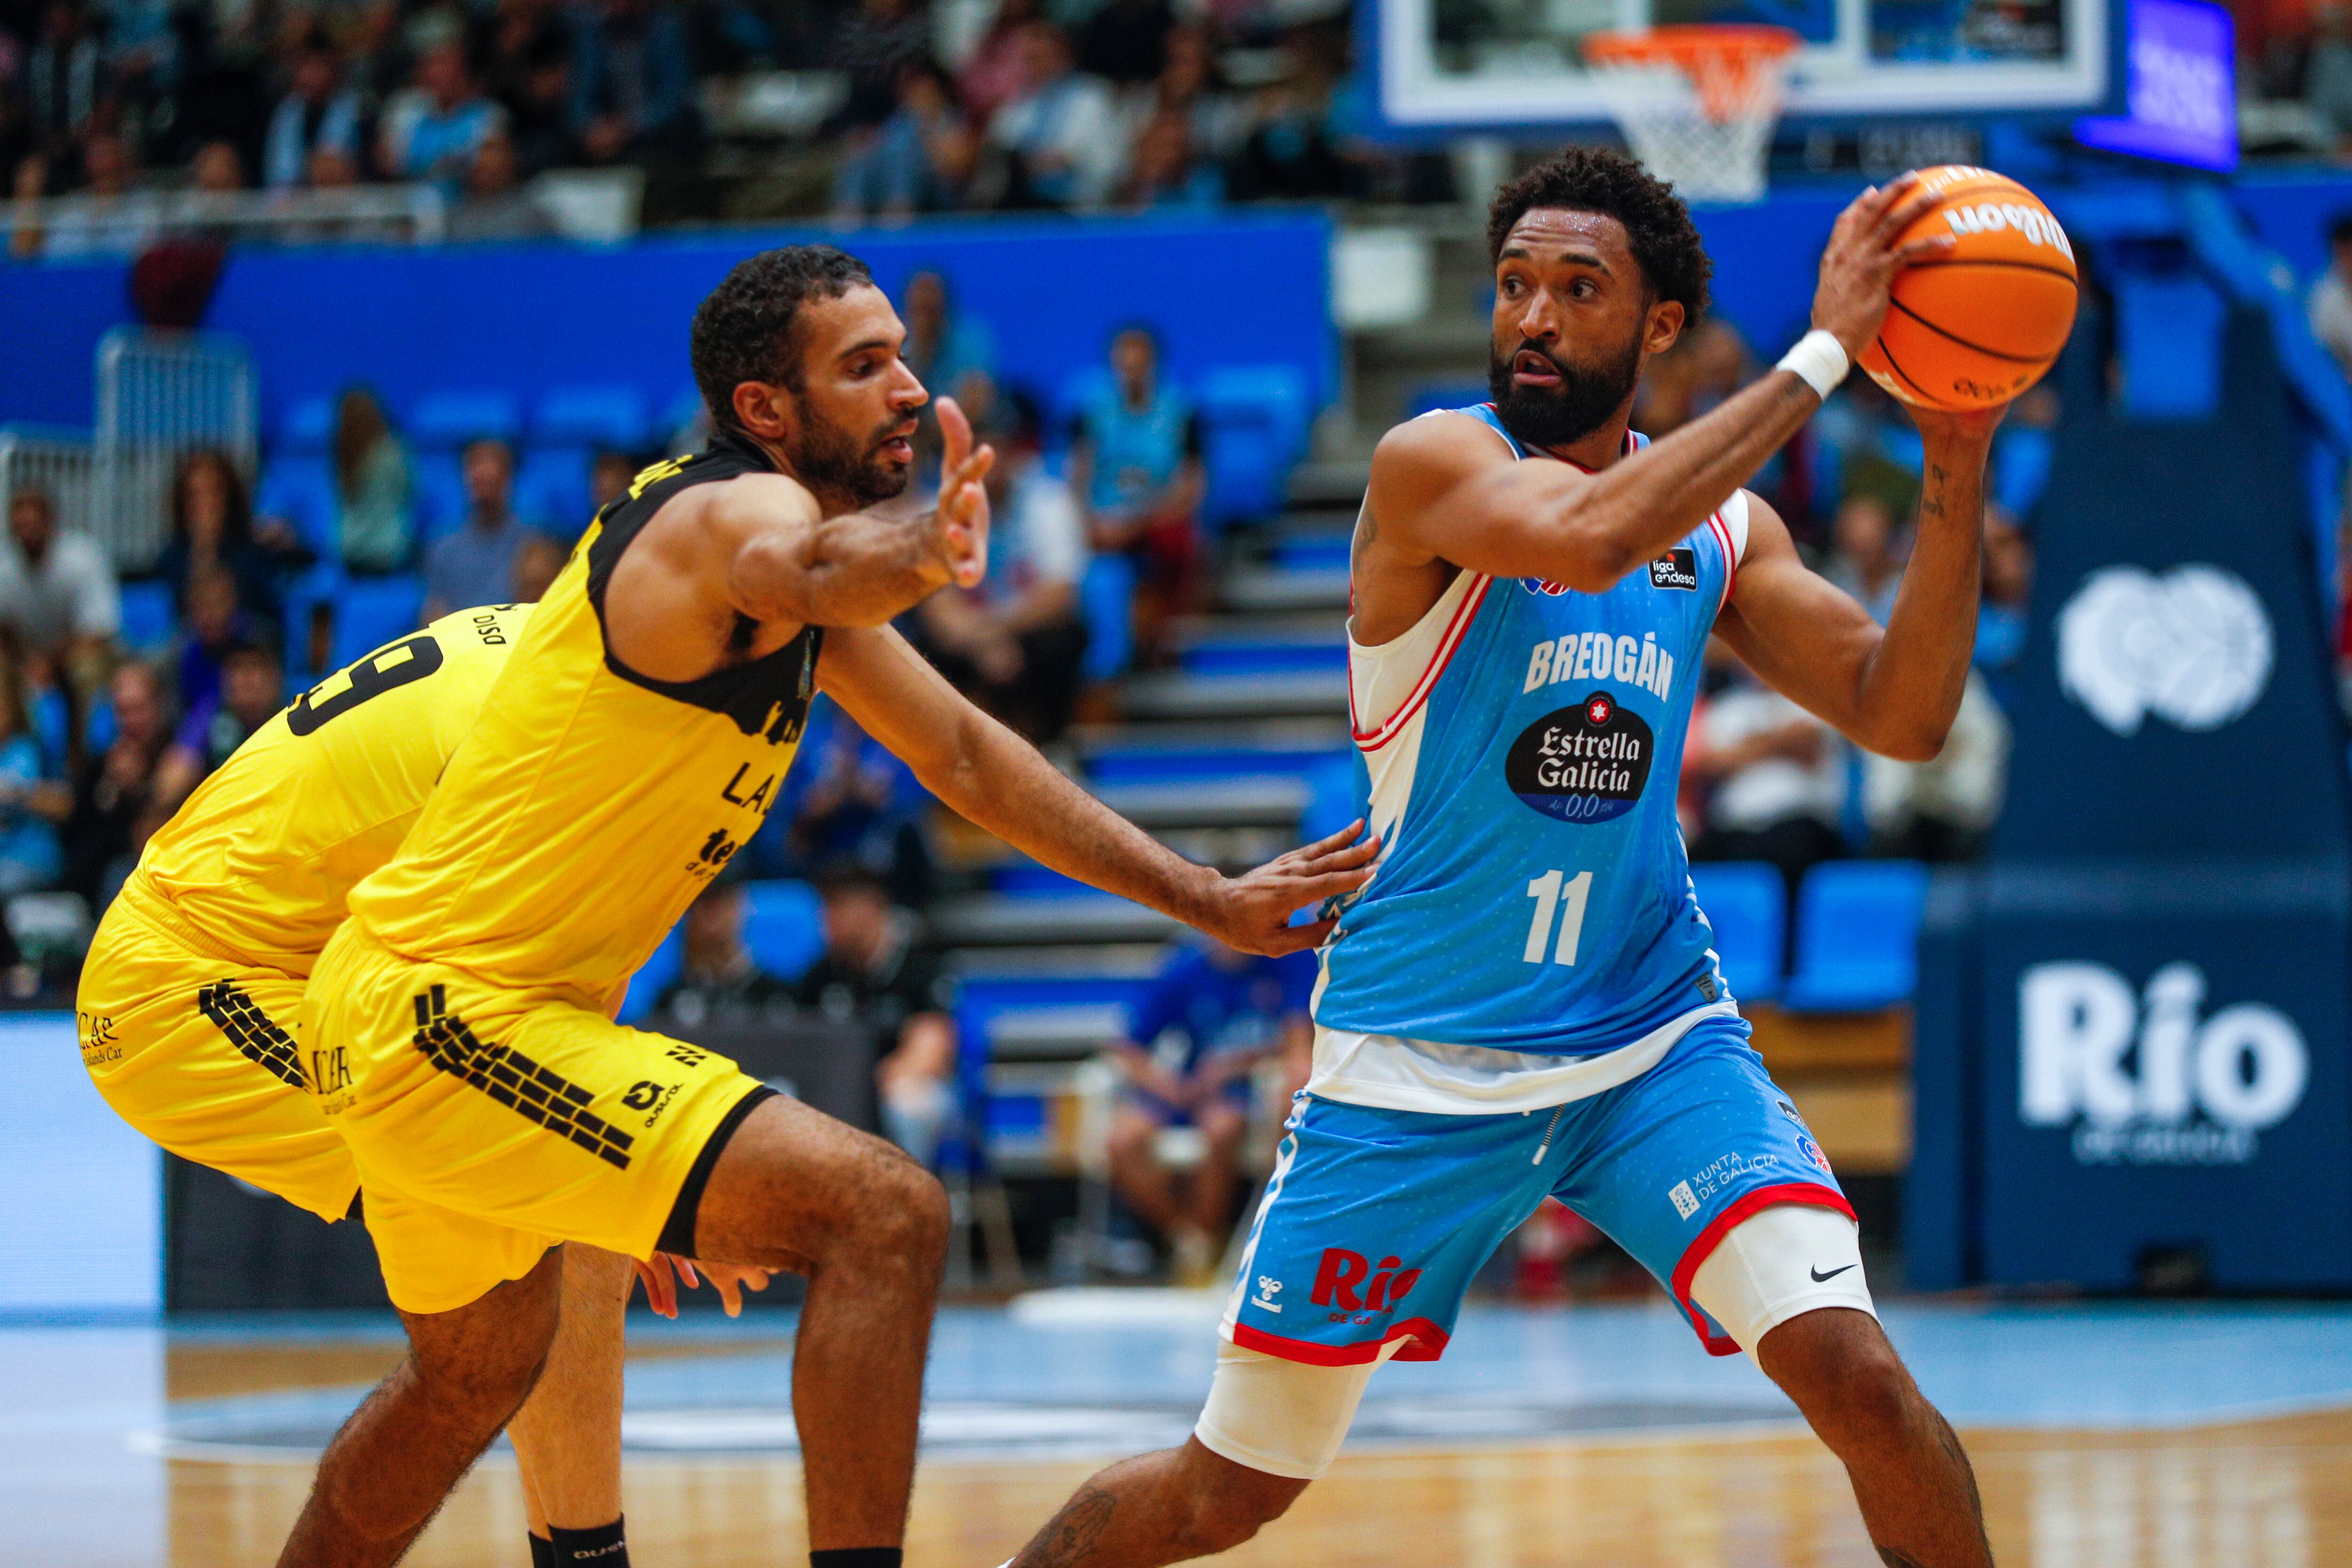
[(1463, 64)]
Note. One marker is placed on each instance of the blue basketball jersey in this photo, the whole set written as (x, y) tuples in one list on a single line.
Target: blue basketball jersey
[(1532, 892)]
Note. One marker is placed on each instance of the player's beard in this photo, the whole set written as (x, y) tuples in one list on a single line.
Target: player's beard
[(828, 458), (1557, 416)]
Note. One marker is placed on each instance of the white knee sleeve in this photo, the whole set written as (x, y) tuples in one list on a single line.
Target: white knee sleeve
[(1784, 1260), (1282, 1418)]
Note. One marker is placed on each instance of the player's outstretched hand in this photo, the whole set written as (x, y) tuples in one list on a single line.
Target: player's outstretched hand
[(963, 497), (661, 1290), (1252, 911), (730, 1280), (1862, 256)]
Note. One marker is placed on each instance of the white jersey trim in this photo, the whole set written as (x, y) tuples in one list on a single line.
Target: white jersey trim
[(1389, 1072)]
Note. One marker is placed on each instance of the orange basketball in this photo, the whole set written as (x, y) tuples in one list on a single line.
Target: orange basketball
[(1980, 323)]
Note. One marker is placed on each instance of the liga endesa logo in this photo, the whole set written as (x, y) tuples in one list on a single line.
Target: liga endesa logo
[(1340, 1271)]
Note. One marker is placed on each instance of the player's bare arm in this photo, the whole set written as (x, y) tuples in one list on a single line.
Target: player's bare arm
[(816, 542), (1445, 493), (1892, 690), (993, 777)]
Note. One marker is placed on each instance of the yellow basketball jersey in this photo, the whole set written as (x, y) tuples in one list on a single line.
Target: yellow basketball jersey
[(262, 856), (590, 804)]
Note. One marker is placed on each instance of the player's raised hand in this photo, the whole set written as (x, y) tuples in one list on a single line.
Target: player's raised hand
[(963, 497), (1252, 911), (1864, 253)]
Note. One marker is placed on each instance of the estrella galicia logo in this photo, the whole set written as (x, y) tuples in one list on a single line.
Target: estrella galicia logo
[(1581, 764), (1675, 568)]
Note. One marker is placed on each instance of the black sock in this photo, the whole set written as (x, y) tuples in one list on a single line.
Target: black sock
[(542, 1551), (603, 1547), (856, 1557)]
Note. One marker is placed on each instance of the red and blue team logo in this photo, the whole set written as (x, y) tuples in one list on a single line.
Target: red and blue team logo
[(1543, 586), (1812, 1151)]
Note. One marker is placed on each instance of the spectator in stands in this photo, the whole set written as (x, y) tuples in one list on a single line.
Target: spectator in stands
[(991, 74), (1124, 42), (252, 689), (1941, 809), (951, 352), (873, 972), (25, 235), (1777, 773), (375, 529), (57, 591), (1163, 173), (848, 798), (218, 168), (1869, 559), (529, 73), (143, 54), (1189, 87), (608, 479), (538, 561), (476, 564), (632, 82), (495, 205), (1211, 1016), (319, 110), (1135, 467), (916, 161), (30, 857), (718, 981), (113, 217), (113, 805), (2328, 78), (212, 625), (2008, 594), (433, 131), (1015, 642), (213, 525), (66, 76), (2331, 296), (1057, 138), (1290, 151), (873, 45)]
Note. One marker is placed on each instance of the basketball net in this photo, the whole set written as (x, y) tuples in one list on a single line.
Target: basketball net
[(1697, 102)]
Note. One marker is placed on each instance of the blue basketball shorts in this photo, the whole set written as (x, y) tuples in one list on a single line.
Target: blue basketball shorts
[(1374, 1221)]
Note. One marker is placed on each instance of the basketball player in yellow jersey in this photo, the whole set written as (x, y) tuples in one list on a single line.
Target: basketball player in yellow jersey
[(190, 996), (634, 741)]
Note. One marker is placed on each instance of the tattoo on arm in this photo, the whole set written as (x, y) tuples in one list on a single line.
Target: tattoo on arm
[(1070, 1536)]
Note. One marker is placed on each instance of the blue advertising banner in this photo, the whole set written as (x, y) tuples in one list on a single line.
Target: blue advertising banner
[(2161, 1018)]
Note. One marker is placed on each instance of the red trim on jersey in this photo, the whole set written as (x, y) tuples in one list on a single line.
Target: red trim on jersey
[(1731, 562), (1803, 1193), (1455, 630), (1424, 1341)]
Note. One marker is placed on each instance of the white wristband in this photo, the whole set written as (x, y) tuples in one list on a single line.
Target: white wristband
[(1819, 360)]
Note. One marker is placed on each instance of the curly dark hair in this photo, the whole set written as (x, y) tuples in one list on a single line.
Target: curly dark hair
[(743, 332), (1600, 180)]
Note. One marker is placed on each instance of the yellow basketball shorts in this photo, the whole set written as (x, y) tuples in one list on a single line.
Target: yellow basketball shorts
[(490, 1124), (197, 1050)]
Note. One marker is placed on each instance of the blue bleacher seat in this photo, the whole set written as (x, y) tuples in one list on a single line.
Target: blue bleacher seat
[(1320, 553), (1857, 936), (148, 618), (683, 409), (551, 490), (607, 416), (655, 976), (305, 427), (299, 490), (784, 926), (445, 421), (437, 494), (1746, 903), (1252, 428), (1442, 394), (1103, 1000), (374, 610), (1105, 600)]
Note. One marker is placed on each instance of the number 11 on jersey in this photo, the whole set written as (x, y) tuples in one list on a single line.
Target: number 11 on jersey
[(1567, 902)]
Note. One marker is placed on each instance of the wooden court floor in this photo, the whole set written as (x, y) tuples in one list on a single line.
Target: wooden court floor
[(2274, 1493)]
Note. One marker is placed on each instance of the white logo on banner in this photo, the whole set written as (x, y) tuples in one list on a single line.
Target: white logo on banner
[(2192, 646), (2194, 1093)]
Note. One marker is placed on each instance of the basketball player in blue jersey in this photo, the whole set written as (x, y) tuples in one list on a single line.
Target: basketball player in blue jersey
[(1524, 1003)]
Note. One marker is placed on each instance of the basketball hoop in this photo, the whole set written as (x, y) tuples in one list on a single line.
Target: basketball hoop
[(1697, 102)]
